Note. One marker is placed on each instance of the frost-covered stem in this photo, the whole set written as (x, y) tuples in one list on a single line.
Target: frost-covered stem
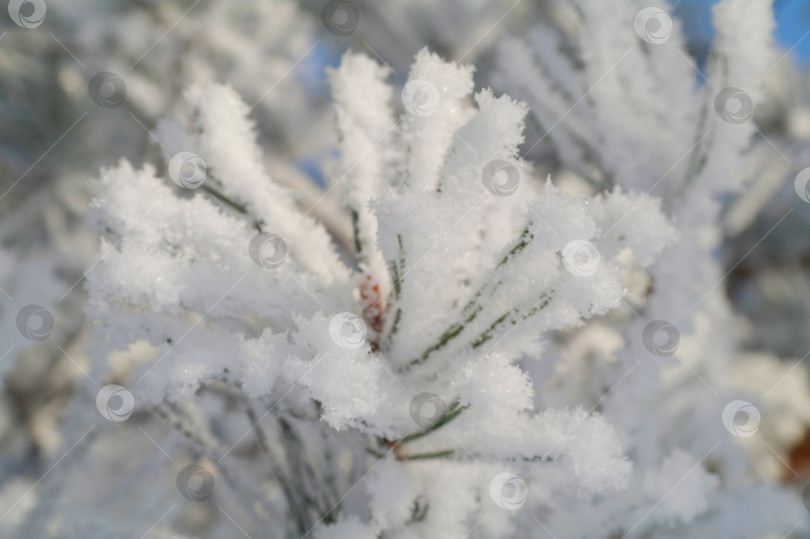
[(308, 484), (254, 420), (307, 470), (290, 491), (174, 416), (455, 410), (330, 479), (513, 317), (472, 309), (285, 481), (397, 268), (427, 456), (222, 198), (239, 206)]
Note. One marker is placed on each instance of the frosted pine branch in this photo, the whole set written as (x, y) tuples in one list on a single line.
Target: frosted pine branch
[(461, 266), (461, 312)]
